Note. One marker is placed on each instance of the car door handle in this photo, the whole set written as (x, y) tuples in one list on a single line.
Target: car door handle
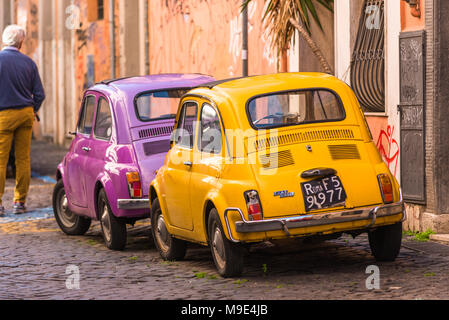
[(188, 164), (87, 149)]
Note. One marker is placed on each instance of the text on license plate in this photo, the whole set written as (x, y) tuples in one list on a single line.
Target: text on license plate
[(323, 193)]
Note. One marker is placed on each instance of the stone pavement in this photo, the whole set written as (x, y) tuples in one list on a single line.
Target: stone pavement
[(35, 256), (45, 158)]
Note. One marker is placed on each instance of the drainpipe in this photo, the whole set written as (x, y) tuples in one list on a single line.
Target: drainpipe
[(112, 36), (147, 37), (245, 40)]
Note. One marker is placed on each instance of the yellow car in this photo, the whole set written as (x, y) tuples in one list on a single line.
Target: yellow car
[(272, 157)]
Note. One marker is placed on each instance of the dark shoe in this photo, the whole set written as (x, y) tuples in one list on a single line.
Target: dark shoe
[(19, 208), (2, 211)]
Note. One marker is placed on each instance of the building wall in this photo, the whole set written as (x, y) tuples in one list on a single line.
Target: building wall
[(325, 40), (206, 37), (72, 45), (409, 20), (384, 126)]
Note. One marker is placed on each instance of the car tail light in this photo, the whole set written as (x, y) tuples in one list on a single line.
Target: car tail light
[(134, 184), (253, 205), (386, 187)]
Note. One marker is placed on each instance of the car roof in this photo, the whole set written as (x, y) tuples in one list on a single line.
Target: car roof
[(245, 88), (134, 85), (123, 91), (233, 94), (270, 81)]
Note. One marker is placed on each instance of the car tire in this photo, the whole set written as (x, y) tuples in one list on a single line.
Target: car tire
[(170, 248), (385, 242), (228, 256), (114, 230), (70, 223)]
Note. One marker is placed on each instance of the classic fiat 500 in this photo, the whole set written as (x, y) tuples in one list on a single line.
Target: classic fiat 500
[(122, 137), (272, 157)]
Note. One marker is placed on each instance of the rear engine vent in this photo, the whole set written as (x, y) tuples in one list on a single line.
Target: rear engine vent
[(277, 160), (344, 152), (155, 132), (302, 137), (158, 147)]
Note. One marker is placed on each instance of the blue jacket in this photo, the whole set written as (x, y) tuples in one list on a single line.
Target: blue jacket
[(20, 83)]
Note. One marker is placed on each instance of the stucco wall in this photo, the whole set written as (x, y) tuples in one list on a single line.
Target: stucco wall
[(410, 22), (205, 37)]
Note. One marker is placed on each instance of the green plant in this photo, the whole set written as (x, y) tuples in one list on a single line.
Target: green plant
[(284, 17), (200, 275), (240, 281), (424, 236), (92, 242), (265, 268), (419, 236), (408, 233)]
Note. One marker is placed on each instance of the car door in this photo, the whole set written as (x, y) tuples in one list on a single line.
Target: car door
[(77, 159), (98, 155), (179, 168), (208, 166)]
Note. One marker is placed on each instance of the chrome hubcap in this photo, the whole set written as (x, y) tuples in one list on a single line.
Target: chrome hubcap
[(218, 248), (67, 217), (106, 223), (162, 236)]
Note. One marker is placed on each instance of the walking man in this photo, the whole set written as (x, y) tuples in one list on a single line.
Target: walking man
[(21, 96)]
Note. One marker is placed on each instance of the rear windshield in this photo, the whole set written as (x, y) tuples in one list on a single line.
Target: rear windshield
[(294, 108), (152, 106)]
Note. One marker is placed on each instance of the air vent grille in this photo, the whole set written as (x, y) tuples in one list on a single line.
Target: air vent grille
[(277, 160), (301, 137), (155, 132), (344, 152)]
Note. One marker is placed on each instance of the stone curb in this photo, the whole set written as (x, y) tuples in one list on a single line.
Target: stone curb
[(441, 238)]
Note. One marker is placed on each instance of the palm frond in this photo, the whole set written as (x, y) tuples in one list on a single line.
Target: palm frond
[(278, 15)]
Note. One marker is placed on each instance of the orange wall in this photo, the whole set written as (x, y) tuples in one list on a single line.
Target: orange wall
[(91, 39), (205, 37), (383, 137), (27, 17), (408, 21)]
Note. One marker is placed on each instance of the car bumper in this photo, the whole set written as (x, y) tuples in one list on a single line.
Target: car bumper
[(133, 204), (328, 218)]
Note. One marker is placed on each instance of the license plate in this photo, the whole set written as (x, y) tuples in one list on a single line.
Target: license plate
[(323, 193)]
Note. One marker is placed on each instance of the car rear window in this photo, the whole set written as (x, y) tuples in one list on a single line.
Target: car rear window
[(158, 105), (294, 108)]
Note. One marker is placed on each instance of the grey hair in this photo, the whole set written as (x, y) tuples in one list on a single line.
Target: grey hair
[(13, 35)]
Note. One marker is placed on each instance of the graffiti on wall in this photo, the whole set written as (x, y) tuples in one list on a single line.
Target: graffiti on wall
[(385, 137), (389, 148)]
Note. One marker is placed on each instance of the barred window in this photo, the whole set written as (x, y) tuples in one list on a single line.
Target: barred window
[(368, 59)]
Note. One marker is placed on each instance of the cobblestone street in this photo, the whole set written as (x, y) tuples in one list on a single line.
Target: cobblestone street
[(35, 256)]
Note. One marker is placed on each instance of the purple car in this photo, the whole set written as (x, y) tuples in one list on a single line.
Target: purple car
[(122, 137)]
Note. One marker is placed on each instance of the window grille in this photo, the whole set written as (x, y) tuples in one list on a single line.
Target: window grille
[(368, 59)]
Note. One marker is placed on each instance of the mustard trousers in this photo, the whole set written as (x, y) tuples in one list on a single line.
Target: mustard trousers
[(16, 124)]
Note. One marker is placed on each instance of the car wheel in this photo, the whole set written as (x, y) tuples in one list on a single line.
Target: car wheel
[(70, 223), (170, 248), (228, 256), (385, 242), (114, 230)]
